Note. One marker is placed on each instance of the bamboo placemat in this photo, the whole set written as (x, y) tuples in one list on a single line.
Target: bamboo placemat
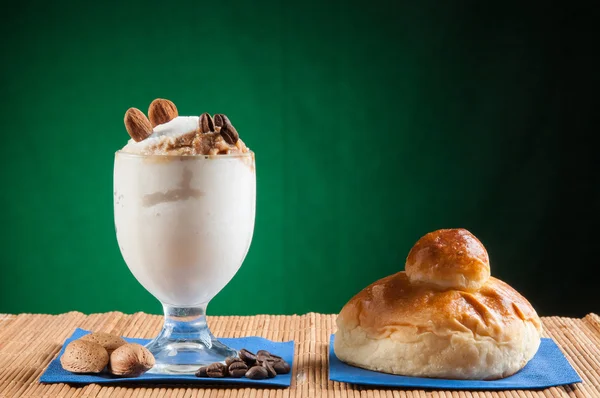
[(28, 342)]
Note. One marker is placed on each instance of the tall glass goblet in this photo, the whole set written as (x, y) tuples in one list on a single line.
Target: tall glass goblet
[(184, 226)]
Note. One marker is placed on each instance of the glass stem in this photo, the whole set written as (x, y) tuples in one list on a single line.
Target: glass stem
[(185, 324), (185, 342)]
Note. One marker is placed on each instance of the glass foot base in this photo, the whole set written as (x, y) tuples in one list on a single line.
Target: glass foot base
[(176, 357)]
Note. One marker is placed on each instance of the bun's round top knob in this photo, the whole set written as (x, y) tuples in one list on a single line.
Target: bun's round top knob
[(449, 259)]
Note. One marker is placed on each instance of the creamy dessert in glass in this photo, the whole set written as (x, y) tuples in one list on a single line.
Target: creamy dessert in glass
[(184, 206)]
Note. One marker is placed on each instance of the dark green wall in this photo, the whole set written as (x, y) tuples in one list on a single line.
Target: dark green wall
[(373, 123)]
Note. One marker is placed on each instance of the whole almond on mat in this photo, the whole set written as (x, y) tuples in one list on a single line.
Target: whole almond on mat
[(137, 124), (82, 356), (131, 360), (110, 342), (162, 111)]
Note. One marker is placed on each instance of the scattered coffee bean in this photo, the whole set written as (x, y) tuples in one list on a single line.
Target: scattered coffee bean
[(230, 360), (270, 370), (202, 372), (217, 369), (257, 373), (219, 119), (247, 357), (267, 354), (281, 367), (229, 133), (257, 367), (263, 356), (238, 368), (206, 123)]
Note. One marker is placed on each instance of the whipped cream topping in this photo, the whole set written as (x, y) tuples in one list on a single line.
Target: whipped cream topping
[(177, 127), (182, 136)]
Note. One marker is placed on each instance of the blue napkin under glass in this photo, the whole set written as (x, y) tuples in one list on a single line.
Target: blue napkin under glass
[(548, 368), (56, 374)]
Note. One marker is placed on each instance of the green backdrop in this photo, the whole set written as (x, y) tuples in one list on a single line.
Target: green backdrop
[(373, 123)]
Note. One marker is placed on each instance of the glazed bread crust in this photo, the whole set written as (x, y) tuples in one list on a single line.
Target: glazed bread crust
[(412, 323), (449, 258)]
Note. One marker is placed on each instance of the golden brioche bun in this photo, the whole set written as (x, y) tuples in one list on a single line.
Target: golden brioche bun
[(444, 317)]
